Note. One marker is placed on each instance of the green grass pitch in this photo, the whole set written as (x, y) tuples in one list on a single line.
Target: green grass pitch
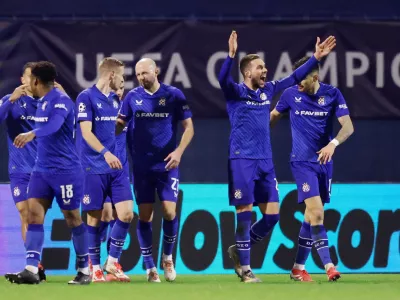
[(209, 287)]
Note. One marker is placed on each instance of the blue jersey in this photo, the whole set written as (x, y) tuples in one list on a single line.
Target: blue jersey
[(56, 152), (311, 118), (248, 111), (154, 121), (93, 106), (19, 117), (121, 147)]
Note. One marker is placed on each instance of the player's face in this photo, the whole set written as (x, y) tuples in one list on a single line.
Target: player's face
[(34, 84), (117, 78), (26, 78), (120, 91), (146, 74), (307, 85), (258, 73)]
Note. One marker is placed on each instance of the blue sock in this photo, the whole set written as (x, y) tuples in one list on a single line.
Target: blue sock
[(81, 245), (305, 244), (145, 236), (94, 244), (262, 227), (103, 231), (118, 237), (112, 222), (170, 229), (242, 237), (320, 238), (34, 243)]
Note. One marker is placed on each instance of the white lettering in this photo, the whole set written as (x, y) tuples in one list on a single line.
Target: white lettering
[(351, 70), (254, 103), (312, 113), (60, 105), (152, 115), (82, 115), (40, 119), (177, 64), (211, 75), (380, 72)]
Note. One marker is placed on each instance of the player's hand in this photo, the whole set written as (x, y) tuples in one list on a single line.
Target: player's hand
[(18, 93), (324, 48), (112, 160), (22, 139), (174, 158), (326, 153), (59, 86), (233, 45)]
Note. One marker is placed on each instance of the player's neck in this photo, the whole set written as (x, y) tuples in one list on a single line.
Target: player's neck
[(44, 91), (249, 84), (154, 88), (315, 88), (103, 85)]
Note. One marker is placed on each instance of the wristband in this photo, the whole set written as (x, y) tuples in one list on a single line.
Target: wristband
[(102, 152), (335, 142)]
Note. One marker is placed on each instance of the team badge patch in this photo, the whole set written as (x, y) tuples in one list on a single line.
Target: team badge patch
[(321, 101), (86, 199), (115, 103), (81, 107), (263, 97), (306, 187), (17, 191), (238, 194), (162, 102), (44, 105)]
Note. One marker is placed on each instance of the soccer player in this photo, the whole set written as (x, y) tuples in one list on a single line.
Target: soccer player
[(18, 110), (97, 110), (251, 172), (57, 173), (109, 215), (154, 110), (313, 106)]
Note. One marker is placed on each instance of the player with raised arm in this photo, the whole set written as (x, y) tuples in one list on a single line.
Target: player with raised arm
[(97, 109), (155, 109), (252, 177), (313, 106), (57, 173)]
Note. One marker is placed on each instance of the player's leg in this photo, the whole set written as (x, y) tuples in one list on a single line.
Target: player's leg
[(40, 197), (121, 197), (168, 190), (144, 186), (92, 202), (306, 179), (112, 222), (267, 198), (106, 217), (241, 195)]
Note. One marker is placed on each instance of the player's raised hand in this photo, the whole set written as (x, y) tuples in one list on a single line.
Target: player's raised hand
[(233, 45), (18, 93), (59, 86), (324, 48), (174, 158), (326, 153), (112, 160), (22, 139)]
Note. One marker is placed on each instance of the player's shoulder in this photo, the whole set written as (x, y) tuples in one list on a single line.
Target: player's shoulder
[(5, 98), (292, 91), (85, 94), (329, 90), (137, 91), (171, 91)]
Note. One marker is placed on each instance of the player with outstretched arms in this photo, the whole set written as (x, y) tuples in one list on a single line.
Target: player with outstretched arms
[(252, 177), (57, 174), (313, 106), (154, 110)]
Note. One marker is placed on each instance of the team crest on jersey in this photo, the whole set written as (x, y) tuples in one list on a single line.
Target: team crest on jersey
[(17, 191), (44, 105), (86, 199), (306, 187), (82, 107), (263, 97), (238, 194), (115, 104), (162, 102), (321, 101)]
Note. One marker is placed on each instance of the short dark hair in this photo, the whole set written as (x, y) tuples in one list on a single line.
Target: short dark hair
[(45, 71), (302, 61), (245, 61), (28, 65)]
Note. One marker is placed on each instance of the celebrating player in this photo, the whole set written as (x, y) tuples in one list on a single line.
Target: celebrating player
[(155, 109), (251, 172), (312, 106), (57, 173), (97, 111)]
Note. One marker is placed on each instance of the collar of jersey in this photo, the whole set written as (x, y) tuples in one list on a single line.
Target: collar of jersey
[(100, 95)]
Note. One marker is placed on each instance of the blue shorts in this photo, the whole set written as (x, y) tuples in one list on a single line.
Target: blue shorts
[(66, 188), (19, 186), (126, 170), (147, 182), (312, 179), (98, 186), (252, 181)]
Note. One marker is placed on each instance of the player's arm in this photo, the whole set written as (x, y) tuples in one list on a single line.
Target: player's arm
[(60, 87), (8, 101), (321, 50), (281, 107), (274, 117), (57, 118), (124, 115), (228, 86), (347, 129)]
